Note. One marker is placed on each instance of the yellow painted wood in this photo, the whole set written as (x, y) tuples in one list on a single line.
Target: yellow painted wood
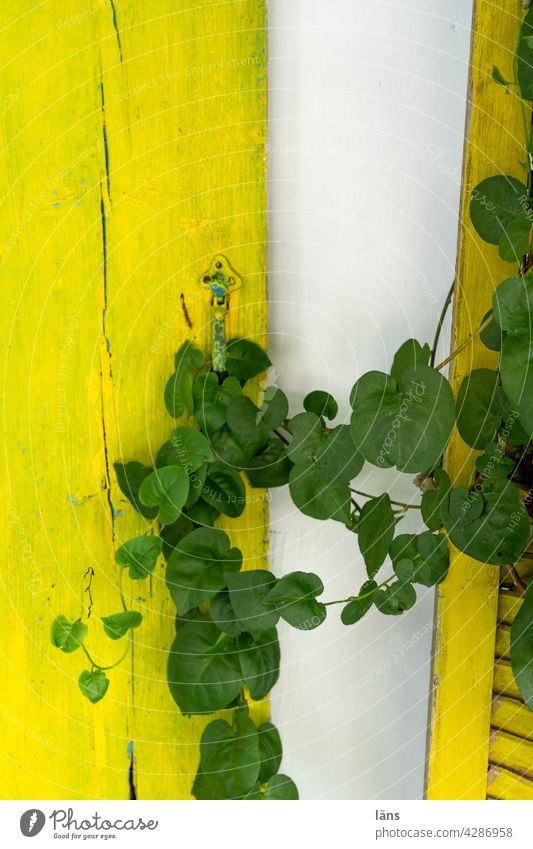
[(503, 641), (512, 716), (503, 784), (512, 752), (132, 143), (467, 601), (504, 682), (508, 606)]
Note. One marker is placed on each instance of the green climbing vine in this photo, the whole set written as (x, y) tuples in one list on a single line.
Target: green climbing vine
[(226, 650)]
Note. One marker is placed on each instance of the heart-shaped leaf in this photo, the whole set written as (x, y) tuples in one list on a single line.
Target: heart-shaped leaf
[(140, 554), (94, 685), (204, 674), (166, 488), (407, 426), (245, 359), (117, 625), (495, 202), (522, 647), (224, 490), (294, 596), (375, 530), (196, 569), (66, 635), (259, 659)]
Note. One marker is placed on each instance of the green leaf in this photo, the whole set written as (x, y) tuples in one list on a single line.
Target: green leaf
[(274, 409), (295, 598), (246, 421), (395, 599), (140, 554), (245, 359), (66, 635), (410, 355), (408, 427), (308, 437), (522, 647), (515, 239), (94, 685), (357, 607), (223, 615), (465, 506), (281, 787), (435, 555), (432, 500), (493, 463), (492, 335), (204, 674), (500, 534), (479, 407), (224, 490), (229, 760), (498, 77), (524, 55), (513, 306), (130, 477), (178, 391), (516, 368), (212, 399), (316, 498), (376, 530), (202, 514), (166, 488), (117, 625), (321, 404), (271, 467), (270, 750), (172, 534), (190, 449), (259, 659), (495, 202), (248, 593), (196, 569)]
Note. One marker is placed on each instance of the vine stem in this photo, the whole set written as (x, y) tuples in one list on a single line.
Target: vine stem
[(282, 437), (440, 322), (121, 591), (358, 597), (397, 503), (466, 343), (104, 668)]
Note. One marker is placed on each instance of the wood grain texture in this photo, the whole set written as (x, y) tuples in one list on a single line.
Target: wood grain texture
[(133, 150), (503, 784), (467, 601)]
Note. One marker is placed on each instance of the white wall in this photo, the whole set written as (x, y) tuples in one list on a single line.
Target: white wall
[(367, 106)]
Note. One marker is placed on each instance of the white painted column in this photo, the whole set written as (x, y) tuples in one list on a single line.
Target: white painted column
[(367, 111)]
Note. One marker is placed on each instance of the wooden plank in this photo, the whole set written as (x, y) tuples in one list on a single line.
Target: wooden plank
[(512, 716), (508, 606), (503, 641), (133, 151), (467, 601), (503, 784), (504, 682), (512, 752)]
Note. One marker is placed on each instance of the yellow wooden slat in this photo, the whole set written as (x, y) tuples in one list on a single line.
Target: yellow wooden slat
[(512, 752), (503, 641), (508, 606), (143, 124), (503, 784), (504, 682), (466, 605), (512, 716)]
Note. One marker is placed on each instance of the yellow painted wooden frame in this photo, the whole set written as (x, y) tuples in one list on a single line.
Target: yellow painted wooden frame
[(467, 602), (133, 150)]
